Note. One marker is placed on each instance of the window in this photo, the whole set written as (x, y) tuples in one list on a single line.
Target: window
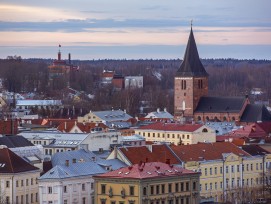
[(22, 182), (247, 167), (215, 170), (50, 190), (205, 171), (65, 201), (215, 185), (31, 181), (182, 187), (37, 197), (169, 187), (211, 171), (221, 184), (227, 169), (257, 166), (153, 134), (211, 186), (188, 137), (7, 184), (26, 182), (187, 186), (152, 190), (221, 170), (194, 186), (132, 190), (176, 187), (157, 189), (7, 199), (251, 167), (83, 200), (163, 188), (26, 198), (83, 187), (261, 166), (91, 185), (65, 189), (145, 191), (232, 169), (17, 183), (206, 187), (103, 188)]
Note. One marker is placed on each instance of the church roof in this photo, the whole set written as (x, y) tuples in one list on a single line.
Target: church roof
[(191, 65), (208, 104), (255, 112)]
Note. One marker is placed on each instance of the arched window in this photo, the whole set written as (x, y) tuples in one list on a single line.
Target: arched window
[(199, 118), (204, 130)]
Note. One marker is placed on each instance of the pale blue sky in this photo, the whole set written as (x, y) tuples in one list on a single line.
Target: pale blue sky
[(118, 29)]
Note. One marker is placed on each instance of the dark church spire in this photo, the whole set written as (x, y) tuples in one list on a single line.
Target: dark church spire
[(191, 65)]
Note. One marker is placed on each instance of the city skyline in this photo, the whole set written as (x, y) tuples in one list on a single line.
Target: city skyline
[(135, 30)]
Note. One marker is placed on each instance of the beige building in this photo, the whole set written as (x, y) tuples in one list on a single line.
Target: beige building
[(227, 172), (148, 183), (18, 179), (176, 133)]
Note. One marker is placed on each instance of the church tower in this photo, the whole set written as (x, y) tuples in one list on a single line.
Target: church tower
[(191, 81)]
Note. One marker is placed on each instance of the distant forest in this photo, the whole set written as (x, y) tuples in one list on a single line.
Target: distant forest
[(227, 77)]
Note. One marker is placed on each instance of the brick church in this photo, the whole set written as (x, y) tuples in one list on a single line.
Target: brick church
[(191, 98)]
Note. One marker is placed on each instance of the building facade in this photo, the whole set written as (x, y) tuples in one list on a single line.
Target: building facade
[(148, 183), (177, 133)]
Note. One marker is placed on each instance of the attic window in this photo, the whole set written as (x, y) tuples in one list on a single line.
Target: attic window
[(2, 165)]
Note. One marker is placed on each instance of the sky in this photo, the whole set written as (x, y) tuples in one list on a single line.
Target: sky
[(135, 29)]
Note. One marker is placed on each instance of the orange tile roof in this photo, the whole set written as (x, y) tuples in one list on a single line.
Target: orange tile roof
[(206, 151), (158, 153), (172, 127), (147, 170)]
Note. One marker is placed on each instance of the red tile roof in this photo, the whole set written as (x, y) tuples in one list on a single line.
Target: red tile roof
[(55, 121), (266, 126), (158, 153), (206, 151), (84, 127), (249, 131), (12, 163), (172, 127), (147, 170)]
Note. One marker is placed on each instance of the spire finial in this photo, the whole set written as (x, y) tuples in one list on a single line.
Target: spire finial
[(191, 23)]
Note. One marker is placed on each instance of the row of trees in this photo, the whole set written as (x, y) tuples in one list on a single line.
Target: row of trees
[(226, 77)]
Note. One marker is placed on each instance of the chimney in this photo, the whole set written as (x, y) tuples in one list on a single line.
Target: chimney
[(65, 125), (158, 110), (69, 58), (59, 56), (73, 160), (93, 158), (165, 109), (67, 163)]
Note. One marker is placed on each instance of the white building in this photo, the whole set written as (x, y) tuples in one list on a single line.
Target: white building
[(46, 104), (160, 114), (54, 142), (133, 82), (70, 180)]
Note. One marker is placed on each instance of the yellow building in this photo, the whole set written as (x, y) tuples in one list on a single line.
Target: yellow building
[(227, 172), (18, 179), (148, 183), (176, 133)]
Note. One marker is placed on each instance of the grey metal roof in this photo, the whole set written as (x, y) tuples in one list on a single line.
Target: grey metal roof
[(14, 141), (73, 170), (113, 115), (191, 65), (84, 156), (254, 113), (208, 104), (119, 124), (161, 114)]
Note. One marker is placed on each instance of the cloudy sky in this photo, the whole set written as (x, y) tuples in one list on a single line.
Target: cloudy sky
[(135, 29)]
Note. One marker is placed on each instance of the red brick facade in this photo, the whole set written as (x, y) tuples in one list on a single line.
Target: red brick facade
[(188, 91)]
